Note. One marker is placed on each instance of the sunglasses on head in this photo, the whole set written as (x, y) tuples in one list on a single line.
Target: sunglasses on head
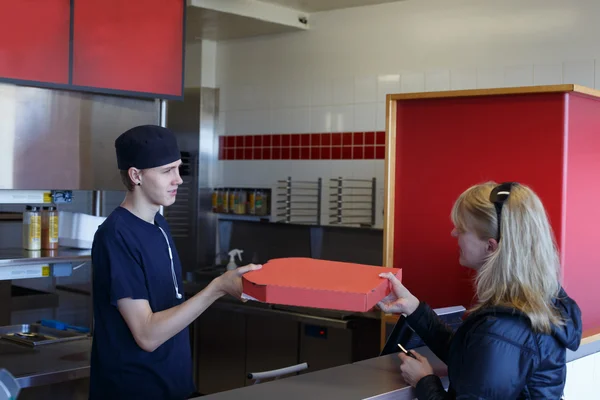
[(498, 196)]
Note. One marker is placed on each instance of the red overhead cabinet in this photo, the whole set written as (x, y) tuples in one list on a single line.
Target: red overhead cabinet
[(441, 143), (133, 45), (34, 41)]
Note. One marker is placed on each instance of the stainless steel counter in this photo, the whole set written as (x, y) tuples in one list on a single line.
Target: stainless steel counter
[(48, 364), (16, 256), (374, 378), (377, 378)]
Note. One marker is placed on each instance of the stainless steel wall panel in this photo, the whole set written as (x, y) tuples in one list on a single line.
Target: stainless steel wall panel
[(52, 139)]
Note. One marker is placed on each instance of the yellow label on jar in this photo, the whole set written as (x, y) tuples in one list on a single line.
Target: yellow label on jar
[(251, 202), (53, 229), (35, 228)]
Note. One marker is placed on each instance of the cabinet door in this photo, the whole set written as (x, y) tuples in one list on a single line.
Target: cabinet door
[(34, 41), (271, 343), (220, 341), (129, 46), (324, 347)]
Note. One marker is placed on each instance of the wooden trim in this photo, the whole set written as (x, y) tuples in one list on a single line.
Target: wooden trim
[(386, 319), (388, 200), (586, 90), (382, 332), (589, 336), (496, 92), (389, 179)]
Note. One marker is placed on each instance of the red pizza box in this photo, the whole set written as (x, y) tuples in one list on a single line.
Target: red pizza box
[(307, 282)]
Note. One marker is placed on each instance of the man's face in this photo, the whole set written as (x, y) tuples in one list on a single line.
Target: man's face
[(159, 185)]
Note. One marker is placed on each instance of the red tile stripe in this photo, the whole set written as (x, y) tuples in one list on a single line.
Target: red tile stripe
[(304, 146)]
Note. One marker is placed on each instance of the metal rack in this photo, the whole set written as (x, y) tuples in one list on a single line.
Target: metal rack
[(17, 263), (299, 202), (352, 201)]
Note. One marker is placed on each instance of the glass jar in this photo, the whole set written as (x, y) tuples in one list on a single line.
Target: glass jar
[(252, 202), (224, 201), (215, 200), (50, 228), (232, 200), (240, 202), (32, 228), (235, 202), (261, 203)]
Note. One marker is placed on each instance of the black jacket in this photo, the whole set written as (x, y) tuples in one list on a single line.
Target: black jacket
[(494, 354)]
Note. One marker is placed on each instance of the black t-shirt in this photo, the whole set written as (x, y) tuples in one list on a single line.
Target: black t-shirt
[(130, 259)]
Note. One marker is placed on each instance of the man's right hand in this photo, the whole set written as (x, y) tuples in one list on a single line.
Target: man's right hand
[(400, 300), (231, 281), (151, 329)]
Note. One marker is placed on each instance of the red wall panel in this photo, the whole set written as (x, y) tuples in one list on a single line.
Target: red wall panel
[(34, 40), (581, 259), (133, 45), (445, 145)]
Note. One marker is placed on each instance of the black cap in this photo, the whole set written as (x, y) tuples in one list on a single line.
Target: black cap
[(146, 146)]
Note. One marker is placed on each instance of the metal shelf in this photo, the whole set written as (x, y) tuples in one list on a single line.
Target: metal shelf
[(34, 197), (24, 264), (243, 217), (298, 189), (347, 191)]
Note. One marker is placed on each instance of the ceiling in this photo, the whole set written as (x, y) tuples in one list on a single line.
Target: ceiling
[(311, 6), (205, 23), (214, 25)]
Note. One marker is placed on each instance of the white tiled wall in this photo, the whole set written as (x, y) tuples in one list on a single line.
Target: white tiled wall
[(335, 77)]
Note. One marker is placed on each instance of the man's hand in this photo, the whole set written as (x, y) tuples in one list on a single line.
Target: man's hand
[(231, 281), (151, 329)]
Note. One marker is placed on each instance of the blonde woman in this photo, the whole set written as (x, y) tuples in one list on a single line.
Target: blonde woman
[(513, 343)]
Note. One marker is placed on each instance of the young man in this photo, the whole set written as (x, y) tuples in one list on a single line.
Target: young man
[(141, 347)]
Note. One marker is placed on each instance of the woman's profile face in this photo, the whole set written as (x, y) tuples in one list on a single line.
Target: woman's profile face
[(472, 250)]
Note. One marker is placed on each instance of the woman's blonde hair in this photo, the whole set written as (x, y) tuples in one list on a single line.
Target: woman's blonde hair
[(524, 271)]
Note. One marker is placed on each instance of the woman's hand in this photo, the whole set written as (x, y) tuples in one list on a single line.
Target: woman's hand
[(400, 300), (413, 370)]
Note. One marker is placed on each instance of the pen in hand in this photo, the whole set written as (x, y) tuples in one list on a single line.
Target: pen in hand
[(408, 353)]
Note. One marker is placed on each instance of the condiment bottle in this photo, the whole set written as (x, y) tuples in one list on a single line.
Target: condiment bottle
[(49, 228), (261, 208), (232, 200), (225, 200), (219, 207), (235, 208), (32, 228), (243, 202), (215, 200), (252, 197)]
